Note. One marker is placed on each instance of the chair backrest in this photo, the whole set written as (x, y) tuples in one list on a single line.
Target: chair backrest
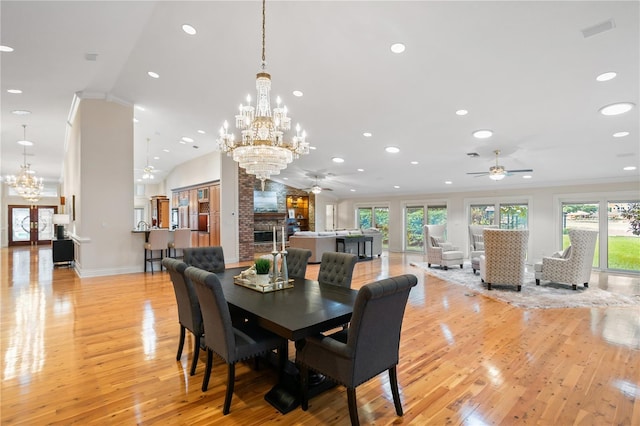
[(297, 262), (189, 313), (436, 231), (158, 239), (374, 331), (182, 238), (210, 259), (476, 236), (218, 328), (505, 252), (583, 244), (337, 268)]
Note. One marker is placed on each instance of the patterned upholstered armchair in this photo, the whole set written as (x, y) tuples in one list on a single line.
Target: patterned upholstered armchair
[(574, 265), (476, 244), (505, 251), (439, 251)]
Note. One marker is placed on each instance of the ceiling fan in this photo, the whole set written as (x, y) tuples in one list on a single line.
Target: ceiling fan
[(498, 172), (316, 189), (149, 170)]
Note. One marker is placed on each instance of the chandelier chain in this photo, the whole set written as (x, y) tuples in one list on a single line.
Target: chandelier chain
[(264, 55)]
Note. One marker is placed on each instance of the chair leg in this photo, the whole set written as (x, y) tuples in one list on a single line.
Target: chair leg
[(231, 379), (461, 266), (575, 287), (196, 352), (519, 287), (428, 265), (537, 281), (304, 387), (151, 260), (181, 343), (488, 286), (145, 260), (586, 284), (353, 408), (207, 371), (393, 381), (446, 268)]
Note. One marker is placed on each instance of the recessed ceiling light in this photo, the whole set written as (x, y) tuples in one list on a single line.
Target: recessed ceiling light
[(135, 120), (6, 49), (20, 112), (188, 29), (367, 134), (352, 190), (165, 150), (482, 134), (139, 107), (392, 149), (153, 74), (447, 182), (606, 76), (156, 158), (398, 47), (620, 134), (396, 186), (462, 112), (139, 180), (617, 108), (25, 143), (414, 162), (182, 142), (628, 168), (297, 93), (14, 91), (527, 177), (313, 147), (202, 132), (337, 160), (361, 170), (285, 178), (187, 139)]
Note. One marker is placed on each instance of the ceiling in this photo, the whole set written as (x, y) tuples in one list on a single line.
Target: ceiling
[(522, 69)]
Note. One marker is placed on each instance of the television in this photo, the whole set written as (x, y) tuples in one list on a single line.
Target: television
[(265, 202)]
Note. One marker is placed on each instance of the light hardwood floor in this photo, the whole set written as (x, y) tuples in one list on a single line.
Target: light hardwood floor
[(102, 351)]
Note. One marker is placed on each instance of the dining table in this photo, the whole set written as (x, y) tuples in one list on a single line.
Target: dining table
[(304, 310)]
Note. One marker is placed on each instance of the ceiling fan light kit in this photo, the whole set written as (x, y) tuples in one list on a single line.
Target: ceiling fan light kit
[(498, 172)]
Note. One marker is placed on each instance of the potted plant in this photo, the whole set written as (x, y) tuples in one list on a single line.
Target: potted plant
[(262, 270)]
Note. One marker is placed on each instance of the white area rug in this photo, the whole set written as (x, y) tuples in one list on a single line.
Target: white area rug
[(546, 295)]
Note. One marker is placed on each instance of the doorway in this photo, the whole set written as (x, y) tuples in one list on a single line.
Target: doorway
[(30, 225)]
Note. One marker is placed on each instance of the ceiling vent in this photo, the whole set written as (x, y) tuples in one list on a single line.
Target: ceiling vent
[(473, 154), (599, 28), (92, 57)]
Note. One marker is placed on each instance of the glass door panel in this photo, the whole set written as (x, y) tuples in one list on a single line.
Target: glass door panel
[(414, 219), (381, 221), (365, 217), (623, 246), (45, 223), (580, 216), (513, 216), (20, 224), (482, 214)]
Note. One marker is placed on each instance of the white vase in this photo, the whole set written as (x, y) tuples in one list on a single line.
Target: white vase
[(262, 279)]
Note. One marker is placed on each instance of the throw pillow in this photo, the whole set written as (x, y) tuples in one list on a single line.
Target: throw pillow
[(479, 246), (478, 240), (435, 241)]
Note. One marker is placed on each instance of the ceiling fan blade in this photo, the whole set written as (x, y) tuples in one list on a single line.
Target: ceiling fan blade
[(479, 173), (520, 171)]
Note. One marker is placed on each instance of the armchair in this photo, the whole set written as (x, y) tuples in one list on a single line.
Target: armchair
[(505, 251), (574, 265), (476, 244), (438, 251)]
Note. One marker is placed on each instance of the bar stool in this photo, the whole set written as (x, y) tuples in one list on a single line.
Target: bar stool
[(158, 240), (181, 240)]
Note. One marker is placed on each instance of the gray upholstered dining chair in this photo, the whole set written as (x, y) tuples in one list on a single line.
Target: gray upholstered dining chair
[(337, 268), (158, 240), (369, 347), (297, 262), (211, 259), (189, 314), (232, 342)]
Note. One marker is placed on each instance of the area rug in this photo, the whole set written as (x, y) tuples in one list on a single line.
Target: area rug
[(545, 296)]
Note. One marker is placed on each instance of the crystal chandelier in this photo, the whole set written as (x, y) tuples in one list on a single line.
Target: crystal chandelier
[(26, 184), (262, 149)]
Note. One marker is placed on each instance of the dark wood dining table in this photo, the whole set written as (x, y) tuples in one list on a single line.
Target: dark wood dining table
[(294, 313)]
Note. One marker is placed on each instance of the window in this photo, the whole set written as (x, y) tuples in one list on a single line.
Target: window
[(482, 214), (513, 216), (580, 216), (436, 215), (375, 217), (623, 246), (414, 221)]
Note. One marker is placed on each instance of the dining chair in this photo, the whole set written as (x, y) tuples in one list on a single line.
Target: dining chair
[(337, 268), (233, 342), (158, 240), (211, 259), (189, 314), (297, 262), (181, 241), (369, 347)]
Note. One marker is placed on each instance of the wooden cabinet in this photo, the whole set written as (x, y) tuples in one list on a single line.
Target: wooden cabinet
[(193, 209), (299, 206), (62, 251), (214, 215), (160, 211), (201, 203)]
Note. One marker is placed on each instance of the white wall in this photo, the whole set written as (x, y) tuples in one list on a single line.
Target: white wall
[(544, 214)]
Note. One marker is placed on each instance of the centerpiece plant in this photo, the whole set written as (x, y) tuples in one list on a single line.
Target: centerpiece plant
[(262, 266)]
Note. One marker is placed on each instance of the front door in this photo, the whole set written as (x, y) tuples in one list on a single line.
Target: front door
[(31, 224)]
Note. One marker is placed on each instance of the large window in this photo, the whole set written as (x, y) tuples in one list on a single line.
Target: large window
[(414, 221), (513, 216), (436, 215), (623, 235), (375, 217), (482, 214), (580, 216)]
